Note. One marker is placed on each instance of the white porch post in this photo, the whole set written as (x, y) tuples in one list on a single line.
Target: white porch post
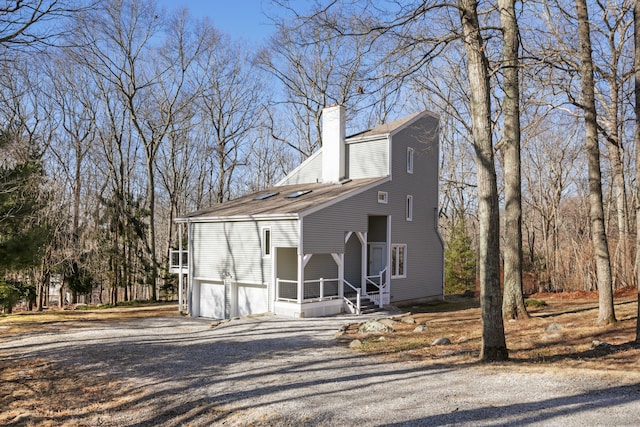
[(300, 278), (388, 275), (302, 262), (339, 259), (180, 278), (363, 280), (190, 268)]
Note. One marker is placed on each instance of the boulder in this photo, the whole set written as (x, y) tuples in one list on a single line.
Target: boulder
[(442, 341), (409, 320), (374, 326), (554, 327), (389, 322), (420, 328), (355, 344)]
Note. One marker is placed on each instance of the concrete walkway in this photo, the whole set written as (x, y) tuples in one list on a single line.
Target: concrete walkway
[(278, 371)]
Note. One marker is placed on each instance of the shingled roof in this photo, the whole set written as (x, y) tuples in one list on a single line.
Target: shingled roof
[(387, 128), (256, 204)]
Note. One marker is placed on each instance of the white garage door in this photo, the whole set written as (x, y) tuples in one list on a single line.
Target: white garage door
[(211, 300)]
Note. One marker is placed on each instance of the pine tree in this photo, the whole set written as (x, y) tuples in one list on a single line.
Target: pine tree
[(460, 259)]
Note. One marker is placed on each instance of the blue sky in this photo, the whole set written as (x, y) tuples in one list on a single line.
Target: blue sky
[(241, 19)]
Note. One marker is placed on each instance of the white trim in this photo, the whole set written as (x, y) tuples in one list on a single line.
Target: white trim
[(409, 208), (219, 281), (238, 218), (396, 266), (265, 243), (383, 197)]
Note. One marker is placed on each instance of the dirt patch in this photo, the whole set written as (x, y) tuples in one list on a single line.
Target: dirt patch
[(562, 334)]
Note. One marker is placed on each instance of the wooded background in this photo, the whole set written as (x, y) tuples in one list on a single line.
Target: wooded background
[(117, 117)]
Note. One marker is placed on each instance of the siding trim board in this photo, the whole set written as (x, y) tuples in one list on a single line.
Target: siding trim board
[(238, 218)]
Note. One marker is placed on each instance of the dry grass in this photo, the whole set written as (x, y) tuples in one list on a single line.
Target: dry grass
[(529, 341), (35, 392), (54, 320)]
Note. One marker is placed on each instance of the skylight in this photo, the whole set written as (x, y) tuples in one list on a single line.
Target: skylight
[(297, 194), (265, 196)]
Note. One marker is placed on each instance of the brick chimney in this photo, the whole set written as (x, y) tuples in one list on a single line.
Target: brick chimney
[(333, 134)]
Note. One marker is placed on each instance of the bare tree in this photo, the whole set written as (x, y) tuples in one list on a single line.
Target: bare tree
[(612, 32), (32, 22), (229, 109), (513, 304), (606, 313), (493, 339), (636, 138)]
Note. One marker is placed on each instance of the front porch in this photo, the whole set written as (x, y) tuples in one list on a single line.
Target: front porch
[(357, 275)]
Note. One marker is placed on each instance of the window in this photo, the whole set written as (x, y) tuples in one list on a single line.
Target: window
[(409, 208), (409, 160), (265, 196), (266, 242), (383, 196), (297, 194), (398, 260)]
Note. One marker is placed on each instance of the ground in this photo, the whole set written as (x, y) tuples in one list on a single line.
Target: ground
[(134, 365), (561, 334)]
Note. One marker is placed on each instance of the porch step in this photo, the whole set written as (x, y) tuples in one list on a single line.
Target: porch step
[(366, 305)]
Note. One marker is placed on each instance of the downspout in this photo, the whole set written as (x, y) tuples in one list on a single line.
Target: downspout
[(190, 269), (437, 230)]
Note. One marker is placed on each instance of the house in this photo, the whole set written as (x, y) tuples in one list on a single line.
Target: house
[(356, 221)]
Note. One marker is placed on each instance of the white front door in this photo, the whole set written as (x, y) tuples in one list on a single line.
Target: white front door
[(377, 258)]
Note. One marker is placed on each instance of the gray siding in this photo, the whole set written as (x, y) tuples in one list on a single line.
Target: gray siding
[(309, 171), (424, 248), (367, 159), (353, 262), (324, 230), (236, 248), (321, 266)]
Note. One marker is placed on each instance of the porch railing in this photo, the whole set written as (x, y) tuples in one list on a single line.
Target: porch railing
[(354, 307), (174, 259), (312, 290), (379, 284)]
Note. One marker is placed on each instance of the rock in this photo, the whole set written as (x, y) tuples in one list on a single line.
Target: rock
[(21, 418), (442, 341), (462, 339), (389, 322), (355, 344), (409, 320), (599, 344), (551, 337), (374, 326), (420, 328), (382, 338), (554, 327)]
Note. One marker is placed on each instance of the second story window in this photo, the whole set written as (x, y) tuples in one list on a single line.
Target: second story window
[(409, 208), (409, 160)]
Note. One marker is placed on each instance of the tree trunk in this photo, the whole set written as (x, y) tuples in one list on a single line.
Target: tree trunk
[(636, 137), (513, 304), (606, 313), (494, 347)]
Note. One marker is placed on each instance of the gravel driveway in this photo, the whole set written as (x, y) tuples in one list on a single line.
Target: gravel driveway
[(279, 371)]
